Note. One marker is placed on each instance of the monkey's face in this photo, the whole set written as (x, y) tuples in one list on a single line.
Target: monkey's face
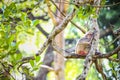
[(89, 36)]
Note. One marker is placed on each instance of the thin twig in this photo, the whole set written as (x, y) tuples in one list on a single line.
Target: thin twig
[(113, 41), (56, 30), (58, 49), (102, 6), (70, 20), (112, 59), (100, 69), (6, 71), (18, 68), (47, 67)]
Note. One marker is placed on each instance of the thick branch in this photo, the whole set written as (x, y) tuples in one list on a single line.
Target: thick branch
[(57, 30), (115, 51), (70, 20), (43, 31), (48, 59), (109, 54)]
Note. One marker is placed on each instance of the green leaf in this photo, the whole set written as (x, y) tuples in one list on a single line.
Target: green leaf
[(40, 63), (32, 63), (6, 13), (37, 58), (114, 56), (10, 9), (23, 16), (27, 23), (35, 68), (25, 70), (12, 37), (35, 22), (19, 56)]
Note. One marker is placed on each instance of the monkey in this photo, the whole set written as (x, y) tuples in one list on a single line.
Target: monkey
[(84, 44)]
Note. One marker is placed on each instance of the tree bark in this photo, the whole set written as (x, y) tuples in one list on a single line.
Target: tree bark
[(59, 60), (59, 39), (48, 59)]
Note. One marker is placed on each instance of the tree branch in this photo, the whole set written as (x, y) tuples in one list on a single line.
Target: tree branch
[(117, 32), (81, 29), (47, 67), (57, 30), (41, 29), (115, 51), (100, 69), (112, 59), (47, 61), (107, 55)]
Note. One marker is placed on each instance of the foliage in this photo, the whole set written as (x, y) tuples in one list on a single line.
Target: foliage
[(20, 37), (15, 29)]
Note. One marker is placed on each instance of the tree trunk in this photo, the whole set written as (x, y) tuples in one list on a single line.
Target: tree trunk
[(59, 60), (59, 39), (48, 59)]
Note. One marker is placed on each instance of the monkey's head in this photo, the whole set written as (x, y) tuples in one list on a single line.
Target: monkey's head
[(89, 35)]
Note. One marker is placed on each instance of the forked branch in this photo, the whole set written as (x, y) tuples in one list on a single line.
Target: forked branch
[(57, 30)]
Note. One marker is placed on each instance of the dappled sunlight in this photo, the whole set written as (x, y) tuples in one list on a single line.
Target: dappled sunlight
[(29, 47), (30, 40)]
